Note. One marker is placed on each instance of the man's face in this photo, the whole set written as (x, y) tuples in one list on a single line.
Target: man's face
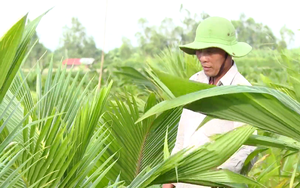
[(211, 60)]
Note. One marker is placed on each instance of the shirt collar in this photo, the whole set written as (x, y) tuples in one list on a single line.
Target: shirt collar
[(228, 77)]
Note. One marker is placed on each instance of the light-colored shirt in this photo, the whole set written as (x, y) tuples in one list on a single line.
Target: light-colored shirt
[(188, 136)]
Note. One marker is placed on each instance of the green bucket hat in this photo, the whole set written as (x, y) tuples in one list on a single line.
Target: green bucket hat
[(217, 32)]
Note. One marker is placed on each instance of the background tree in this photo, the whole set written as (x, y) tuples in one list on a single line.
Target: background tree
[(76, 43), (287, 37), (190, 23), (154, 39), (256, 34), (126, 49)]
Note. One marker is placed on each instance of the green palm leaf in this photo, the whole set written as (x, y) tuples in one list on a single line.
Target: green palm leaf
[(61, 137), (11, 113), (196, 166), (139, 145), (9, 46), (72, 153), (262, 107), (14, 45)]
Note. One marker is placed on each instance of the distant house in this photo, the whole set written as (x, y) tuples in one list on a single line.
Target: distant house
[(75, 62)]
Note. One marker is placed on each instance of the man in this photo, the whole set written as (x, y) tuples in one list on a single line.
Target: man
[(215, 44)]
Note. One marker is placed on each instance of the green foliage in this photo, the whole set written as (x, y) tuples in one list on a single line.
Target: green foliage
[(64, 133), (174, 62), (76, 43), (53, 141), (262, 107), (52, 115), (204, 159), (153, 39), (9, 59), (139, 145), (60, 138), (287, 36), (255, 34)]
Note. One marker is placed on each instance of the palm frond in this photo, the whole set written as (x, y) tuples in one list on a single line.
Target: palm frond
[(195, 166), (138, 145), (265, 108)]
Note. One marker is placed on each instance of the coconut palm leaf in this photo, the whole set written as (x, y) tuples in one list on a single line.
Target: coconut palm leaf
[(14, 46), (20, 88), (262, 107), (196, 166), (11, 112), (71, 152), (173, 62), (9, 46), (283, 88), (139, 145), (135, 76), (169, 60), (281, 143), (61, 136), (265, 108)]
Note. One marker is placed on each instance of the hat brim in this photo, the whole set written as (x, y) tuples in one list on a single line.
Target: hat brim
[(239, 49)]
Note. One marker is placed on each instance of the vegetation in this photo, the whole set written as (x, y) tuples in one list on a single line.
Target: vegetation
[(57, 129)]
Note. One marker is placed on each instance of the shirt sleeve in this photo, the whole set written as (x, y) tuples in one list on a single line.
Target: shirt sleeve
[(236, 162)]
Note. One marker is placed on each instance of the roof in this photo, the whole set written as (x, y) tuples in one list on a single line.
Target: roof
[(78, 61), (71, 62)]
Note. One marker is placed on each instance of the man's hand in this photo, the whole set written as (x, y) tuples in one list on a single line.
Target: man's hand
[(168, 185)]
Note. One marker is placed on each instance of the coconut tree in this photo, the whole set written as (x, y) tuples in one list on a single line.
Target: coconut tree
[(262, 107), (55, 141)]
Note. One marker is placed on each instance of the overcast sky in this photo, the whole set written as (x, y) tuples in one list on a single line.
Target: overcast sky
[(123, 15)]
